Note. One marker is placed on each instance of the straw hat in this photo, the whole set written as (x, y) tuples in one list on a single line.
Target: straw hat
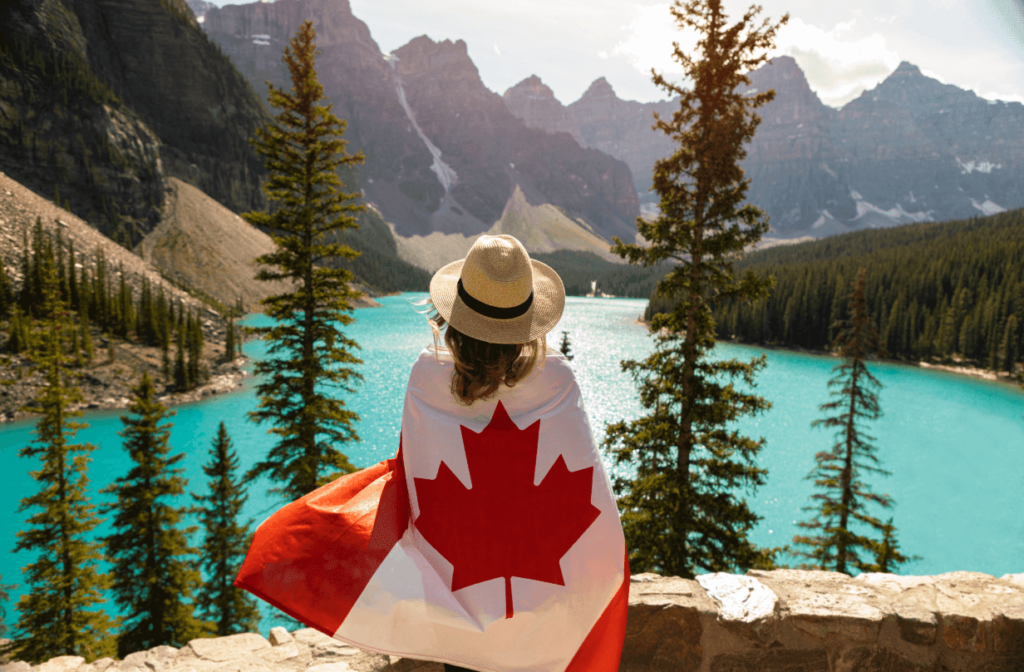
[(497, 294)]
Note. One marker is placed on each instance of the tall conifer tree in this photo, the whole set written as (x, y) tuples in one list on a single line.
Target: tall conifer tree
[(681, 512), (153, 571), (229, 608), (833, 539), (6, 293), (57, 616), (308, 356)]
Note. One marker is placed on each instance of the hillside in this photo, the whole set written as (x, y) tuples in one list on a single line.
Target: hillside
[(948, 292), (100, 100), (105, 383), (201, 244)]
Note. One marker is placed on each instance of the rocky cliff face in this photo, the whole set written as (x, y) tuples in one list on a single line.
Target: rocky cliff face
[(157, 58), (599, 120), (99, 99), (491, 151), (911, 149), (442, 152)]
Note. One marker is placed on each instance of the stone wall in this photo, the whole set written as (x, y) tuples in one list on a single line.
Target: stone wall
[(779, 621)]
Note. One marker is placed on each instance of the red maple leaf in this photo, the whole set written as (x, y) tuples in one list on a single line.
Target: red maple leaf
[(504, 525)]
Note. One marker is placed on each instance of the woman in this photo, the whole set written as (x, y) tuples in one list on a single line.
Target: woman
[(492, 540)]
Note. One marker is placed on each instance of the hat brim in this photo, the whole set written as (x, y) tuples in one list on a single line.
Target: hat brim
[(540, 318)]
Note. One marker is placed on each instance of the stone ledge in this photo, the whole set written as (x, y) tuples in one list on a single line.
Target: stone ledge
[(779, 621)]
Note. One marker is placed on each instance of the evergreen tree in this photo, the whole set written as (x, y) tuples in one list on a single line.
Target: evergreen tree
[(841, 503), (231, 609), (152, 561), (681, 513), (18, 338), (87, 346), (307, 352), (181, 378), (566, 347), (6, 293), (229, 340), (57, 616), (194, 342), (25, 294), (73, 298)]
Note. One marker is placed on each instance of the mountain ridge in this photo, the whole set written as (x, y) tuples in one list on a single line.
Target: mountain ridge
[(910, 149)]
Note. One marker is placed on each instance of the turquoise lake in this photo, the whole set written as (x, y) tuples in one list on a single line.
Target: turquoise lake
[(954, 445)]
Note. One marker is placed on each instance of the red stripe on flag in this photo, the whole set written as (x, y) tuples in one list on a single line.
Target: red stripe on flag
[(314, 557), (602, 649)]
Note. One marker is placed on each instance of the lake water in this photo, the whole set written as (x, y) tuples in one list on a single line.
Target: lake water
[(954, 445)]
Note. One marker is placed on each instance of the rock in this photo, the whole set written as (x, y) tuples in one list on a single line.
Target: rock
[(60, 664), (231, 647), (280, 636), (279, 653), (16, 666), (740, 598), (329, 667)]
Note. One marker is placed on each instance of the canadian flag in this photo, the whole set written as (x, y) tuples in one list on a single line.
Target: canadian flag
[(491, 541)]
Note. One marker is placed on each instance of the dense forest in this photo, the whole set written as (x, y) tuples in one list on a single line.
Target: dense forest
[(101, 299), (951, 291)]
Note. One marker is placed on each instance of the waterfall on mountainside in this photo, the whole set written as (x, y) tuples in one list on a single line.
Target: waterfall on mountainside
[(445, 175)]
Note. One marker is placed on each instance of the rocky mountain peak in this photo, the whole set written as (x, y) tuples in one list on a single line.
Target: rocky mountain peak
[(906, 68), (534, 102), (599, 89), (532, 87), (445, 59)]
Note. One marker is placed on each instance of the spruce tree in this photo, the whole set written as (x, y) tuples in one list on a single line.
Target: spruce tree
[(6, 293), (681, 512), (57, 616), (566, 347), (226, 541), (229, 340), (837, 536), (152, 560), (308, 355)]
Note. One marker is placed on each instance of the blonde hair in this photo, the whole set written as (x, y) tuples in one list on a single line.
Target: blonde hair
[(481, 367)]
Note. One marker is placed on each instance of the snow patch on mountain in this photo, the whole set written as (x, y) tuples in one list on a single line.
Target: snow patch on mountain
[(988, 207), (966, 167), (445, 174)]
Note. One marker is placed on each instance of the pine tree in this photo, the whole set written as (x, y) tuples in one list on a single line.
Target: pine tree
[(231, 609), (307, 353), (229, 340), (17, 339), (181, 378), (680, 513), (57, 616), (6, 293), (152, 560), (840, 506), (566, 347), (73, 298)]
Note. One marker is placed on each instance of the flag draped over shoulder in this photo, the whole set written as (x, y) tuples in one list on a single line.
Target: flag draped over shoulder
[(491, 541)]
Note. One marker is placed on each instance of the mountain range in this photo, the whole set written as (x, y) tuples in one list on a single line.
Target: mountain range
[(909, 150), (102, 101)]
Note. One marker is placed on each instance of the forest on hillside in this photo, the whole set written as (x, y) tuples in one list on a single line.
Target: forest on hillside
[(951, 291)]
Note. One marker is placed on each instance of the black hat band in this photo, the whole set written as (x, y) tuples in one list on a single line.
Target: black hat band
[(494, 312)]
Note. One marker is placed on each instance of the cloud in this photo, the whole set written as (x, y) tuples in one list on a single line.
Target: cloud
[(496, 50), (838, 66), (649, 42)]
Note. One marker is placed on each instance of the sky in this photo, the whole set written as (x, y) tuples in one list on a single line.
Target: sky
[(843, 48)]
